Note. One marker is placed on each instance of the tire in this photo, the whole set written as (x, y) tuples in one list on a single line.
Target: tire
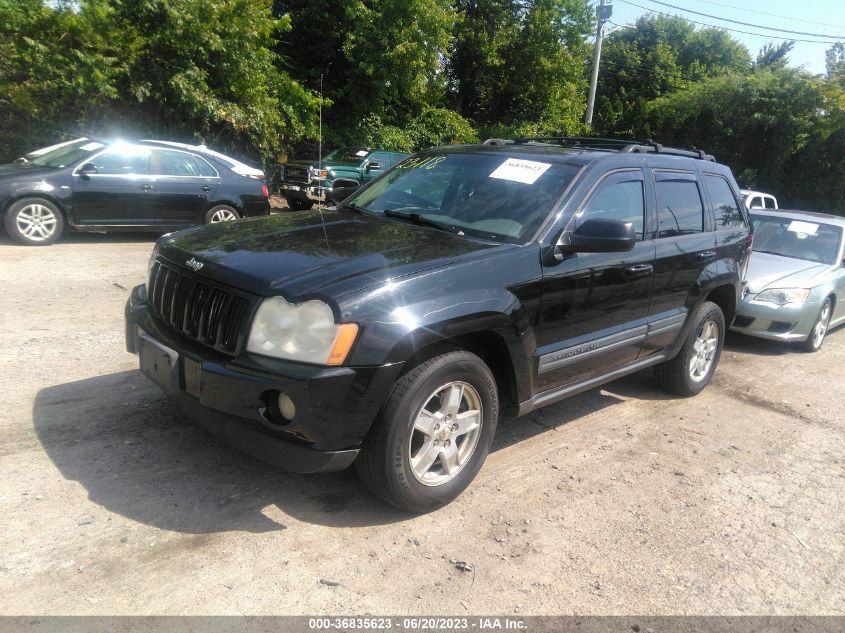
[(298, 204), (34, 222), (393, 460), (817, 334), (704, 344), (221, 213)]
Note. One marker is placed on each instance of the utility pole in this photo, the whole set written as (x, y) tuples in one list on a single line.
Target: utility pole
[(603, 12)]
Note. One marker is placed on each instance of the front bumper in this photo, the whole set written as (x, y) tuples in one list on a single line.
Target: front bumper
[(236, 399), (788, 323), (298, 190)]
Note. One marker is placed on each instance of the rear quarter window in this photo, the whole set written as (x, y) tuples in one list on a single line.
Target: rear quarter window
[(724, 205)]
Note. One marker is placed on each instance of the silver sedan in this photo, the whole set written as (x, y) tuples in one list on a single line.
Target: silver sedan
[(796, 278)]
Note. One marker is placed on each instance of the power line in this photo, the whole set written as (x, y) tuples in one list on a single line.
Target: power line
[(724, 28), (756, 26), (766, 13)]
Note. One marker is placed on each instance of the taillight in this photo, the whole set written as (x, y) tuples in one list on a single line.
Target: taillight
[(265, 191)]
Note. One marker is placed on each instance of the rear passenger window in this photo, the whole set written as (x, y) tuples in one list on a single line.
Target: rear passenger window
[(725, 207), (618, 197), (165, 162), (770, 202), (203, 168), (679, 208)]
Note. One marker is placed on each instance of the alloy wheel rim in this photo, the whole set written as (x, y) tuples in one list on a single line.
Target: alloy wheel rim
[(704, 351), (222, 215), (445, 433), (821, 326), (36, 222)]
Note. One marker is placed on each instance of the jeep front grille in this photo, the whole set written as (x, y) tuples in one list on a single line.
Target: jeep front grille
[(202, 311)]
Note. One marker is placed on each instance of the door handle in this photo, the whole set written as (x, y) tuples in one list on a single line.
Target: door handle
[(146, 187), (703, 256), (638, 270), (205, 188)]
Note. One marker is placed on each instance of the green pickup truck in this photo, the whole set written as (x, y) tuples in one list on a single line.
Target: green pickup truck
[(306, 182)]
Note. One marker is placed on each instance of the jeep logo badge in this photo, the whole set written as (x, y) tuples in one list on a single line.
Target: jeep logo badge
[(194, 264)]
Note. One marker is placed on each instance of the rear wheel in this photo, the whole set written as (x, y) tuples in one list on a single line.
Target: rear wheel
[(434, 433), (819, 331), (221, 213), (693, 367), (297, 204), (34, 221)]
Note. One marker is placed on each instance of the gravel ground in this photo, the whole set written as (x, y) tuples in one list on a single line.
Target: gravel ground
[(622, 500)]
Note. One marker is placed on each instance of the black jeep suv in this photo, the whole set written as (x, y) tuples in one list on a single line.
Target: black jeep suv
[(464, 281)]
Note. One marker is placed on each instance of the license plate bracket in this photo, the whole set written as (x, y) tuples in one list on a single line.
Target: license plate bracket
[(159, 363)]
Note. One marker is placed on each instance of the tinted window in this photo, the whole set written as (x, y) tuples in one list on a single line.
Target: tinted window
[(770, 202), (619, 197), (165, 162), (725, 207), (478, 193), (800, 239), (679, 208), (123, 160)]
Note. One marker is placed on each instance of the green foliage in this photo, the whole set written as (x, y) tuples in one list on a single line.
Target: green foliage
[(434, 126), (757, 123), (520, 63), (662, 55)]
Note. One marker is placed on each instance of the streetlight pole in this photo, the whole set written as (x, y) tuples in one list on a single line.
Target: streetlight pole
[(603, 12)]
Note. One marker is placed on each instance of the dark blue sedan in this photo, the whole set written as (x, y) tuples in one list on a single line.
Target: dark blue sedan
[(90, 185)]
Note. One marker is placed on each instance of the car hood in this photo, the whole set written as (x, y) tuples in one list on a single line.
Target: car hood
[(16, 170), (766, 270), (301, 254)]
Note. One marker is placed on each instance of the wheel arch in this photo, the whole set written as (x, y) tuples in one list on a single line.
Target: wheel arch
[(725, 297), (44, 196), (488, 345)]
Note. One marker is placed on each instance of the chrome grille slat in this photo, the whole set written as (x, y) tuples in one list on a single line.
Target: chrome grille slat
[(201, 311)]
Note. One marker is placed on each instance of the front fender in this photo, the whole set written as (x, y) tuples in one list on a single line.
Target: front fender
[(490, 295)]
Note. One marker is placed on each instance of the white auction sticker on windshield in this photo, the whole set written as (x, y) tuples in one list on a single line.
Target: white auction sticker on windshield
[(519, 170), (797, 226), (361, 152)]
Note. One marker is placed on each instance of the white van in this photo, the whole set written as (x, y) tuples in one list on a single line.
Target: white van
[(758, 199)]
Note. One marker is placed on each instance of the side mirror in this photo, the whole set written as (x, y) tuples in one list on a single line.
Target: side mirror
[(88, 168), (373, 165), (600, 236), (342, 188)]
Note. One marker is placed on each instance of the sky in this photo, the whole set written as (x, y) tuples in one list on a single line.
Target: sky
[(825, 17)]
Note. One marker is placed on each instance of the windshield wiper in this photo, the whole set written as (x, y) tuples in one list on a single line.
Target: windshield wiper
[(416, 218), (354, 207), (778, 254)]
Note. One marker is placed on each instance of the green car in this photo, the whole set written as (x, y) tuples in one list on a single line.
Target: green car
[(306, 182)]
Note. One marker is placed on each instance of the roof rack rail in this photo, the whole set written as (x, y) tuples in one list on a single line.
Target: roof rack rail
[(606, 144)]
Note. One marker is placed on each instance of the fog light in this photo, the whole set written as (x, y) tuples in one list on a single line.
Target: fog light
[(286, 406)]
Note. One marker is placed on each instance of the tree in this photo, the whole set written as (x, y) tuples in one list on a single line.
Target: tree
[(773, 56), (755, 123), (661, 55), (521, 64)]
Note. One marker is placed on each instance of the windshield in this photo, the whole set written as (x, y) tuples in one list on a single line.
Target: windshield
[(67, 155), (346, 156), (800, 239), (484, 194)]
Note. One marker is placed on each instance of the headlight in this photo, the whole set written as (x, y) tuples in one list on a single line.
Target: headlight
[(305, 332), (782, 296), (319, 173)]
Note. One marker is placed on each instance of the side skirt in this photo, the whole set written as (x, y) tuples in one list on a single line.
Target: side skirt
[(559, 393)]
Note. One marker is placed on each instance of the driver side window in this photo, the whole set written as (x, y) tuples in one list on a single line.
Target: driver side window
[(620, 196)]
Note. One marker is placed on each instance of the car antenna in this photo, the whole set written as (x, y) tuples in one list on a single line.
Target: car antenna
[(320, 166)]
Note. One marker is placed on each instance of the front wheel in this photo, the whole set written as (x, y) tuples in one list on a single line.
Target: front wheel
[(819, 331), (298, 204), (693, 367), (34, 221), (433, 434)]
